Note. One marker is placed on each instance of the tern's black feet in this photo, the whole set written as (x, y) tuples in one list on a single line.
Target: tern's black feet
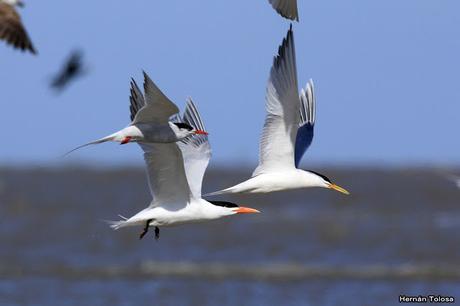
[(146, 229), (157, 233)]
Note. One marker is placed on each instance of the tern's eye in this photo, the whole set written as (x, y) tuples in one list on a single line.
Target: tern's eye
[(184, 126)]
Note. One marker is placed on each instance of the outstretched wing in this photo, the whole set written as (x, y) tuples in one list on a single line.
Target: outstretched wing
[(286, 8), (157, 107), (278, 138), (307, 121), (196, 150), (12, 30), (166, 175)]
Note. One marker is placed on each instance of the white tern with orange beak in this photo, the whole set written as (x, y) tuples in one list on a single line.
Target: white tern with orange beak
[(175, 174)]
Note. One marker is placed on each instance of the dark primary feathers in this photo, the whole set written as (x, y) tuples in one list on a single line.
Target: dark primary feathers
[(152, 106), (307, 112), (192, 117), (12, 29), (286, 8), (72, 68), (136, 99)]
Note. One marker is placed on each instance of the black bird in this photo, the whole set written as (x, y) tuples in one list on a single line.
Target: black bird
[(72, 69)]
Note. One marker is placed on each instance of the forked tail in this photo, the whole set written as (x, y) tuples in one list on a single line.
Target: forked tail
[(219, 192), (118, 224), (105, 139)]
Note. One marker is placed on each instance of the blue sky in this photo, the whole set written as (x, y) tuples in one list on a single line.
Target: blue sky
[(386, 73)]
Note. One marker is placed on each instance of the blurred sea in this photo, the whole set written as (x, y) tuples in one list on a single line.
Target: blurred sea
[(397, 233)]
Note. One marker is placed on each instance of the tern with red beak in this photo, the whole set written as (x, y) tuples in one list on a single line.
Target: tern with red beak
[(11, 28), (175, 174), (287, 132), (150, 119), (286, 8)]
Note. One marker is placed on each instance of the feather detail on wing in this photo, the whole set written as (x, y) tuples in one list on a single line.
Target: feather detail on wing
[(196, 150), (157, 108), (166, 174), (277, 142), (307, 121), (136, 99), (12, 30), (286, 8)]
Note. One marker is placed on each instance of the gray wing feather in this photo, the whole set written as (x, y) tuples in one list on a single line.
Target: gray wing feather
[(196, 150), (157, 108), (286, 8), (136, 99), (166, 174)]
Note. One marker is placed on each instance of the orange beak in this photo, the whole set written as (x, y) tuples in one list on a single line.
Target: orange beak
[(245, 210), (200, 132)]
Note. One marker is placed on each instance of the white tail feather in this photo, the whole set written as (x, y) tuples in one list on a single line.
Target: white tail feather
[(105, 139), (223, 191), (117, 224)]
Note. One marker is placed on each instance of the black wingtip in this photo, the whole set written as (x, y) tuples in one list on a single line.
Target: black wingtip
[(133, 85), (133, 99), (33, 51), (287, 40)]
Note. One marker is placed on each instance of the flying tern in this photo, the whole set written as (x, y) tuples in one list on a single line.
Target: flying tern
[(175, 173), (287, 132), (11, 28), (150, 119), (286, 8)]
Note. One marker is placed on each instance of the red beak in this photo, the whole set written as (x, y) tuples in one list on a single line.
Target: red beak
[(126, 140), (200, 132)]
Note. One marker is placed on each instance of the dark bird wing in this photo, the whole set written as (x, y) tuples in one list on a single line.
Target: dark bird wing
[(157, 107), (136, 99), (12, 30), (304, 136), (286, 8), (69, 71)]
